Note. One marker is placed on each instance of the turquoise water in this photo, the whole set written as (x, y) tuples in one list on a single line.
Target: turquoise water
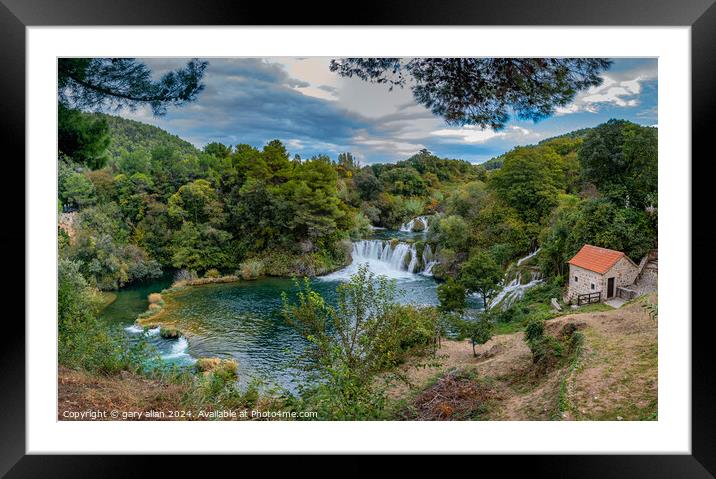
[(132, 300), (242, 320)]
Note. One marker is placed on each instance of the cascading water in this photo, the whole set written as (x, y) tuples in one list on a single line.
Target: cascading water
[(528, 257), (410, 225), (514, 290), (428, 261), (399, 260)]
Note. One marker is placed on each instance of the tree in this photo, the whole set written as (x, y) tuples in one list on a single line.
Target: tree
[(452, 296), (218, 150), (467, 200), (116, 83), (482, 91), (137, 161), (77, 190), (101, 248), (200, 247), (255, 216), (351, 342), (554, 240), (311, 199), (621, 159), (404, 181), (481, 274), (197, 202), (131, 193), (82, 138), (368, 185), (346, 165), (452, 232), (529, 181), (478, 329), (153, 232)]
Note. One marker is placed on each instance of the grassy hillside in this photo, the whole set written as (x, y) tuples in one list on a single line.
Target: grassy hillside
[(613, 376)]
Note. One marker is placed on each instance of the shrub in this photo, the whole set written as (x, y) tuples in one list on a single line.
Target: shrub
[(155, 298), (361, 227), (534, 330), (350, 344), (251, 269), (212, 273), (415, 328), (546, 352), (227, 368), (84, 342)]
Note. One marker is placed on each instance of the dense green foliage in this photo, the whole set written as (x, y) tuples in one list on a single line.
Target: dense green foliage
[(84, 342), (366, 334), (141, 200), (166, 204), (82, 137)]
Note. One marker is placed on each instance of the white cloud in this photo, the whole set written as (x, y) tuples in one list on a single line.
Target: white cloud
[(474, 134), (387, 145), (621, 90)]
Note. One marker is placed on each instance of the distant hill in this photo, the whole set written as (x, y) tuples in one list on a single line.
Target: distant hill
[(129, 135), (496, 162)]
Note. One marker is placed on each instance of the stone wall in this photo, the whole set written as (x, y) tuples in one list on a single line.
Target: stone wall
[(624, 272), (581, 281)]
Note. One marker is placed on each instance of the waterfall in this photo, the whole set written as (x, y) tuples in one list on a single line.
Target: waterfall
[(514, 290), (410, 225), (531, 255), (398, 260), (428, 261)]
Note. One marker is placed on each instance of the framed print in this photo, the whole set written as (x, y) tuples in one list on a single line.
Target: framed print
[(420, 230)]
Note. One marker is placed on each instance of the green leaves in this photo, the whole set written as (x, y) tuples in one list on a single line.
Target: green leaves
[(620, 158), (452, 296), (482, 91), (481, 274), (115, 83), (364, 334), (81, 137)]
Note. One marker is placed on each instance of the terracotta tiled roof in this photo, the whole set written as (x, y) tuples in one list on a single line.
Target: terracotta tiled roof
[(595, 258)]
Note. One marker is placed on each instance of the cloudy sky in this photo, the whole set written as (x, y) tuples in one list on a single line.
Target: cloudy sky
[(299, 101)]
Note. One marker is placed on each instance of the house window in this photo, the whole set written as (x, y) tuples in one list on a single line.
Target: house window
[(592, 285), (576, 279)]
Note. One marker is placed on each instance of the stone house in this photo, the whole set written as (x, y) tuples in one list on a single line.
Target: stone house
[(595, 274)]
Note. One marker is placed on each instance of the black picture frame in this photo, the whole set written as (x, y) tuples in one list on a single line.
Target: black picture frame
[(700, 15)]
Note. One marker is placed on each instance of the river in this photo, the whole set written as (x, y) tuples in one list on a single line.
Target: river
[(242, 320)]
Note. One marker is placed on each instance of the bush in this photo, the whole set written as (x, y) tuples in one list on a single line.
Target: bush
[(84, 342), (546, 352), (361, 227), (534, 330), (415, 328), (543, 293), (223, 367), (212, 273), (155, 298), (251, 269)]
